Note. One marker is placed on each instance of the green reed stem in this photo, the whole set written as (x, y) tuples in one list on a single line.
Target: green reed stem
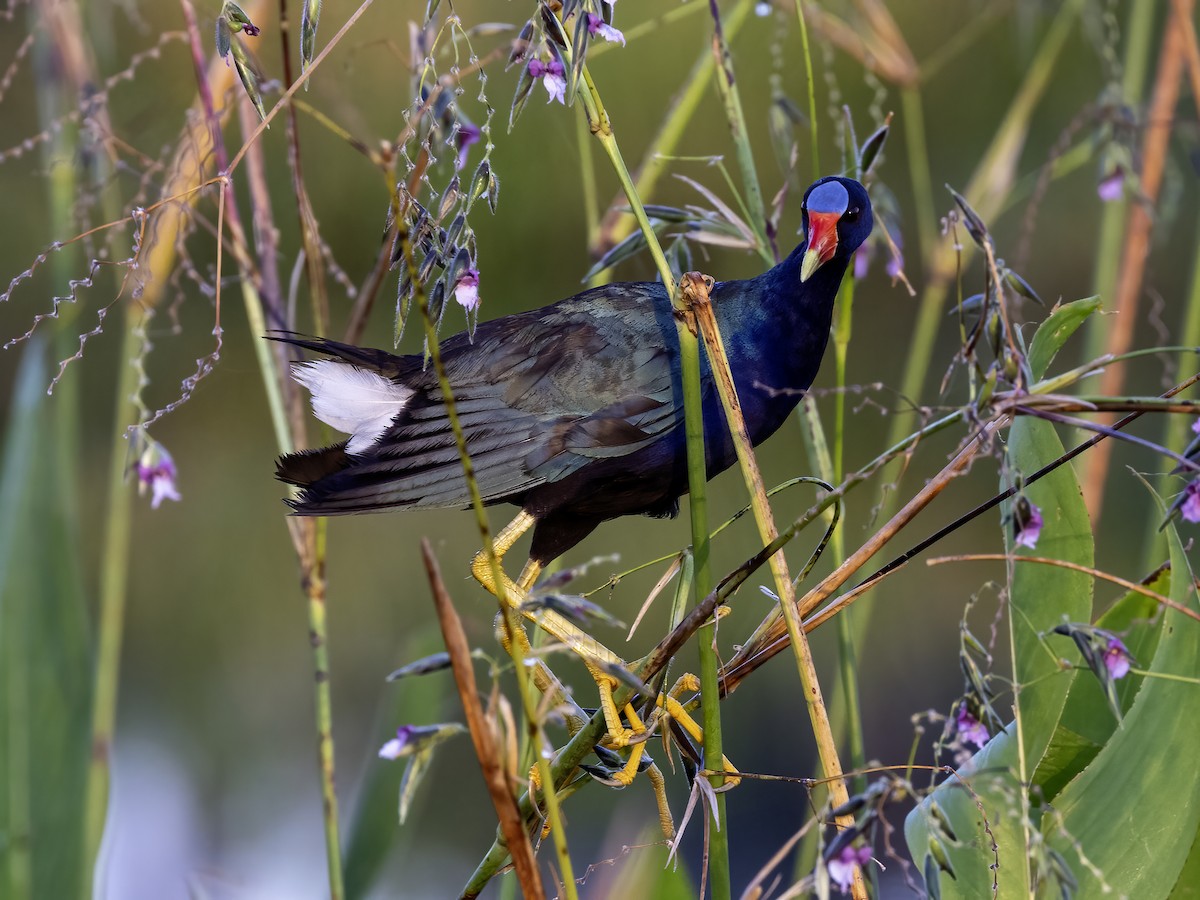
[(697, 293), (1138, 42), (689, 357), (682, 111), (587, 182), (114, 578), (26, 425), (731, 100), (511, 620), (851, 625), (812, 90)]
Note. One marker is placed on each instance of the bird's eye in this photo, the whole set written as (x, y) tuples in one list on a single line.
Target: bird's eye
[(851, 215)]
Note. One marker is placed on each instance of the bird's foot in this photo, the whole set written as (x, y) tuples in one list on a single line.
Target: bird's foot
[(670, 707)]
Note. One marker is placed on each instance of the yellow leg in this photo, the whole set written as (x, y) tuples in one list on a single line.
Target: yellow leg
[(670, 704), (481, 566), (591, 651)]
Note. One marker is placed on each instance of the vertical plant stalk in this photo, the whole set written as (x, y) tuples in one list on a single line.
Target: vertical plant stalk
[(697, 486), (308, 536), (587, 182), (732, 101), (76, 67), (619, 223), (114, 579), (310, 237), (512, 825), (848, 636), (1136, 249), (1139, 34), (689, 359), (812, 90), (695, 291), (19, 449), (511, 622)]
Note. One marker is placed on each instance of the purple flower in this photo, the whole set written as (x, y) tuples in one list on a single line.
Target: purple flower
[(843, 866), (466, 290), (1112, 185), (1191, 502), (394, 748), (553, 78), (597, 26), (970, 730), (1117, 659), (1196, 427), (1027, 520), (895, 263), (467, 134), (862, 260), (156, 471)]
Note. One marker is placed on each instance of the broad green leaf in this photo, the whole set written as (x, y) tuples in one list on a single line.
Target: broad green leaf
[(992, 786), (45, 660), (1187, 887), (1135, 619), (1043, 596), (1040, 597), (1134, 812), (1056, 330)]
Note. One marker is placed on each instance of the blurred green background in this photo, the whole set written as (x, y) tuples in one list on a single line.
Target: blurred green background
[(214, 790)]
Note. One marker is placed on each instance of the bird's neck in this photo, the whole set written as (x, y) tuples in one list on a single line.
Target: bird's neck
[(776, 328)]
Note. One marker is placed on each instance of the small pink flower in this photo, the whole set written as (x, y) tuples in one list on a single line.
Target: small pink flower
[(553, 78), (862, 261), (156, 471), (1117, 659), (598, 27), (843, 866), (1027, 520), (1112, 185), (970, 730), (468, 134), (1191, 502), (466, 290), (895, 263), (394, 748)]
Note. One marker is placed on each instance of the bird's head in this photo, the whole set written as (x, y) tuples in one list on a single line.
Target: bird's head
[(837, 219)]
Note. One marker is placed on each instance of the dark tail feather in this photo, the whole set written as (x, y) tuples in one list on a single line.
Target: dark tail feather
[(310, 466), (376, 360)]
